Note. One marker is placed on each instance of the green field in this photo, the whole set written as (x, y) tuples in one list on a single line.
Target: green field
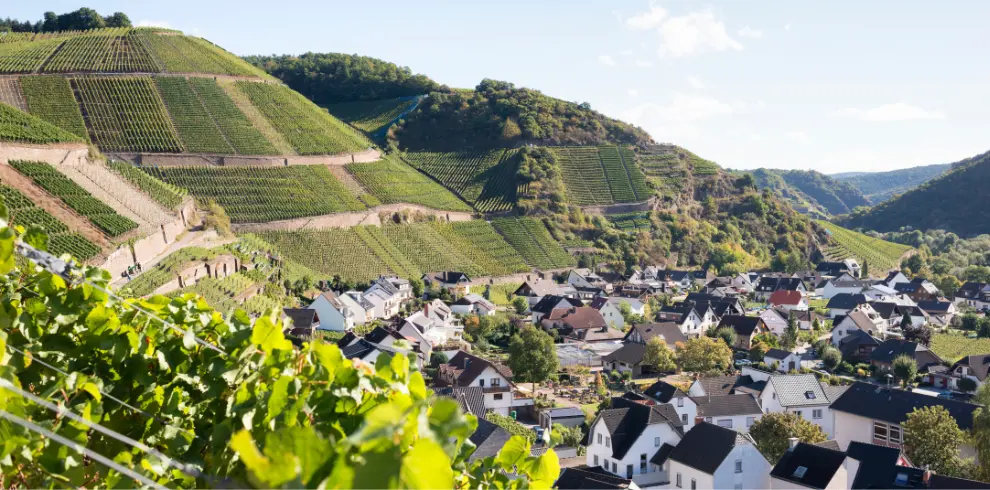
[(102, 216), (532, 240), (257, 195), (952, 347), (631, 222), (167, 195), (372, 116), (60, 239), (25, 128), (126, 114), (392, 181), (485, 179), (601, 175), (50, 98), (236, 128), (196, 127), (881, 255)]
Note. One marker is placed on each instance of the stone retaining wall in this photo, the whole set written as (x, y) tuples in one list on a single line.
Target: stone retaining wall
[(372, 216), (66, 153), (620, 208), (203, 159)]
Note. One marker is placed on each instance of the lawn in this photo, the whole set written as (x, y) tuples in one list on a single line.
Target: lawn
[(952, 347)]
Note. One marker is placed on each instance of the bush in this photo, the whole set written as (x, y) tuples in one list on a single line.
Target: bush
[(966, 385)]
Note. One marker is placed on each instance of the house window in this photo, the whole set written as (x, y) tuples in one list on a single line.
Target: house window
[(596, 460), (498, 396), (895, 434), (738, 466), (773, 396), (679, 480), (797, 412), (481, 382), (750, 421), (642, 463), (684, 418), (656, 442), (680, 402), (880, 432), (496, 382), (816, 413), (727, 423), (694, 484), (599, 438), (615, 467), (608, 441)]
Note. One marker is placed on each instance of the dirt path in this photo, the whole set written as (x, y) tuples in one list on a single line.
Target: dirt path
[(348, 220)]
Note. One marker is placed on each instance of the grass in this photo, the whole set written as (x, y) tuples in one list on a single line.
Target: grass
[(952, 347)]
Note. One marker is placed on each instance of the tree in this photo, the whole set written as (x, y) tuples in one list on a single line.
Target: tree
[(865, 272), (949, 284), (904, 369), (831, 357), (983, 331), (789, 340), (981, 433), (50, 24), (437, 358), (932, 439), (906, 321), (757, 352), (966, 384), (703, 355), (773, 431), (520, 304), (970, 322), (417, 287), (659, 356), (532, 356), (921, 334), (727, 335), (118, 19)]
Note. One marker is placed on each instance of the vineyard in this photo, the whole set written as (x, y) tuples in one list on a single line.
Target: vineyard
[(481, 244), (196, 127), (77, 198), (308, 128), (372, 116), (532, 240), (236, 128), (257, 195), (126, 114), (952, 347), (224, 293), (602, 175), (332, 251), (186, 54), (881, 255), (485, 179), (51, 99), (501, 294), (392, 181), (167, 195), (25, 128), (105, 50), (60, 239), (631, 222)]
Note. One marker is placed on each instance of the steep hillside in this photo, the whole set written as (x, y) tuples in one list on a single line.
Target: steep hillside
[(951, 202), (810, 191), (879, 256), (881, 186)]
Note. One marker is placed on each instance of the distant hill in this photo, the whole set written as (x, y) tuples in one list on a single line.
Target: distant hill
[(951, 202), (811, 192), (881, 186)]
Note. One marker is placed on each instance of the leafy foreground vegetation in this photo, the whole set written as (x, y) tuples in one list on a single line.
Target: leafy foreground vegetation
[(258, 195), (881, 255), (229, 402), (60, 239), (393, 181), (24, 128), (167, 195), (485, 179)]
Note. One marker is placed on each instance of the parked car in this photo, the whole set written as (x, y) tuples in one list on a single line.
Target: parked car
[(743, 362)]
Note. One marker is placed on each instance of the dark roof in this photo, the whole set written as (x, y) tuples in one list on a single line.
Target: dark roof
[(722, 385), (704, 447), (879, 463), (358, 349), (979, 364), (598, 302), (893, 405), (935, 306), (584, 477), (907, 287), (489, 439), (470, 398), (743, 325), (768, 284), (778, 354), (849, 345), (627, 419), (727, 405), (885, 309), (565, 412), (663, 391), (630, 353), (670, 332), (789, 283), (464, 368), (951, 482), (452, 277), (820, 465), (970, 290), (893, 348), (755, 388), (301, 317), (548, 303), (846, 301), (379, 334), (662, 454)]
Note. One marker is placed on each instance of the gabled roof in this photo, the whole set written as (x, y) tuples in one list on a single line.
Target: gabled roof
[(879, 463), (668, 331), (302, 318), (743, 325), (885, 309), (891, 276), (662, 454), (630, 353), (785, 297), (893, 405), (598, 302), (893, 348), (935, 306), (359, 349), (846, 301), (767, 284), (705, 446), (539, 287), (849, 345), (789, 283), (722, 385), (809, 465), (464, 368), (579, 318), (470, 299), (727, 405), (779, 354), (548, 303), (627, 419), (663, 392), (797, 390), (585, 478), (470, 398), (979, 364), (379, 334), (489, 439), (971, 289), (859, 319)]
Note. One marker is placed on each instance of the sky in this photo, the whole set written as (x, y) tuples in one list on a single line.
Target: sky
[(832, 86)]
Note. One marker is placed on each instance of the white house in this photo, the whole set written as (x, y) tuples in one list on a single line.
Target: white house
[(495, 381), (823, 466), (626, 437), (881, 292), (788, 300), (436, 321), (848, 286), (710, 456), (803, 395), (975, 294), (857, 320), (547, 304), (392, 286), (684, 405), (692, 323), (894, 278), (775, 320), (737, 411), (341, 312), (473, 304), (586, 278), (383, 304), (975, 367), (782, 360)]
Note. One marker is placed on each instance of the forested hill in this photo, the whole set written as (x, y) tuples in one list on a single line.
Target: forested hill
[(881, 186), (952, 202), (500, 115), (810, 191), (329, 78)]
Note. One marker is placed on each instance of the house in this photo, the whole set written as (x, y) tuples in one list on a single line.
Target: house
[(710, 456), (721, 305), (488, 439), (547, 304), (806, 319), (892, 314), (939, 313), (874, 415), (856, 320), (566, 416), (782, 360), (383, 304), (926, 360), (693, 323), (881, 292), (684, 405), (857, 346), (975, 294), (436, 323), (894, 278), (737, 412), (473, 304), (457, 283), (470, 398), (768, 285), (776, 320), (637, 306), (847, 286), (624, 438), (668, 331), (304, 322), (843, 303), (609, 311), (746, 328), (586, 278), (584, 477), (919, 289), (378, 341), (718, 385), (393, 286), (580, 324), (341, 313), (974, 367), (495, 380), (369, 351), (629, 357), (788, 300), (848, 266), (534, 289), (802, 395), (806, 465)]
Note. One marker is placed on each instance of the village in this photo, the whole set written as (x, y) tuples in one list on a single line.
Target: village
[(682, 379)]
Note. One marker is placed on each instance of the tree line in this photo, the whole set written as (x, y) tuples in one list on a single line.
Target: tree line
[(79, 20)]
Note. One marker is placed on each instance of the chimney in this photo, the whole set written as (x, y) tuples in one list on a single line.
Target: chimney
[(792, 442), (467, 360), (927, 476)]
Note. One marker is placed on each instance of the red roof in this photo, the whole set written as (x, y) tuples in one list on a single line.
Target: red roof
[(784, 297)]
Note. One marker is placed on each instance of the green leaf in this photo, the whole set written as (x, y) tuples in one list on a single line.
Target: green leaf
[(279, 397), (268, 336), (6, 250), (36, 237), (417, 386), (542, 471), (426, 466), (515, 451), (92, 389), (4, 214), (262, 469)]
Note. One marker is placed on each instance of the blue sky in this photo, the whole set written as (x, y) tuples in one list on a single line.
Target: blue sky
[(831, 86)]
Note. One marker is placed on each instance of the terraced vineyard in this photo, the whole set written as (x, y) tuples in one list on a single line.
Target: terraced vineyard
[(26, 57), (431, 251), (308, 128), (385, 250), (166, 270), (236, 128), (881, 255), (331, 251), (102, 50), (126, 114), (196, 127), (167, 195), (60, 239), (20, 127), (602, 175), (51, 99), (257, 195), (392, 181), (483, 246), (532, 240), (77, 198), (186, 54), (631, 222), (485, 179), (223, 293), (372, 116)]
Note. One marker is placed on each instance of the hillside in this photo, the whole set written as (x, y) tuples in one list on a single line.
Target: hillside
[(878, 255), (941, 203), (811, 192), (881, 186)]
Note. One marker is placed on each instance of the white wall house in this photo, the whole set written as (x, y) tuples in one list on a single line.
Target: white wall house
[(710, 456), (610, 312), (625, 449), (774, 321), (464, 369), (341, 312), (800, 394), (782, 360), (857, 320), (737, 412)]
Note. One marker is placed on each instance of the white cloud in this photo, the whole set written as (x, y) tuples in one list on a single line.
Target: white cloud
[(626, 52), (646, 20), (787, 27), (695, 33), (633, 92), (749, 32), (643, 63), (898, 111), (695, 82), (606, 60), (797, 136), (153, 23)]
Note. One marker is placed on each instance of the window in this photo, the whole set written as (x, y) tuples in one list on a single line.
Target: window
[(773, 396), (615, 467), (738, 466), (498, 396), (880, 431), (608, 441), (656, 442), (679, 480), (481, 382), (797, 412), (596, 460), (642, 463), (750, 421), (680, 402), (496, 382), (727, 423), (816, 413), (694, 484), (895, 434), (684, 418), (599, 438)]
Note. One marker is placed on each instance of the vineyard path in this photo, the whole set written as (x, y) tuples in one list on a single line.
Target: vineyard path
[(351, 219), (205, 239)]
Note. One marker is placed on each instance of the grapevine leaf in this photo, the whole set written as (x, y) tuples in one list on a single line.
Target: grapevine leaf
[(262, 469), (417, 387), (6, 250), (92, 389), (36, 237), (279, 398), (515, 451), (4, 214), (542, 471), (426, 466), (268, 336)]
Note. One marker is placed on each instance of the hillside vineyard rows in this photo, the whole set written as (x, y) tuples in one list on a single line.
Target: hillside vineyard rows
[(167, 195), (371, 116), (145, 125), (532, 240), (61, 240), (51, 99), (19, 127), (879, 254), (485, 179), (601, 175), (392, 181)]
